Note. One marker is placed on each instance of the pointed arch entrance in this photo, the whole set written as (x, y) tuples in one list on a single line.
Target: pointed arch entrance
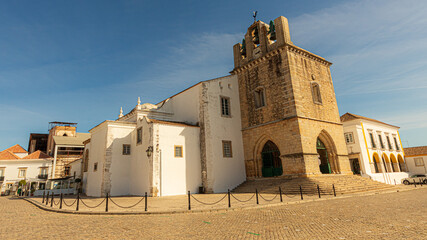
[(327, 152), (324, 165), (271, 162)]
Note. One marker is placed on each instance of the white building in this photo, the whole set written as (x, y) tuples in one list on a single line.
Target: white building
[(374, 148), (189, 142), (16, 165), (416, 159)]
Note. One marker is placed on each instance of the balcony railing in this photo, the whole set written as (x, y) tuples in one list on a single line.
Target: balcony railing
[(1, 178), (42, 176)]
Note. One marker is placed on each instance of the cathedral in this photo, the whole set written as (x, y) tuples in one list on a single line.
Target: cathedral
[(275, 115)]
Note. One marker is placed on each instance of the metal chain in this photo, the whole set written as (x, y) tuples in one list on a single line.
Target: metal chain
[(70, 204), (129, 206), (241, 200), (56, 204), (209, 203), (289, 196), (81, 200), (268, 199)]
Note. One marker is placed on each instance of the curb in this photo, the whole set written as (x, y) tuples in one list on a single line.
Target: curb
[(43, 207)]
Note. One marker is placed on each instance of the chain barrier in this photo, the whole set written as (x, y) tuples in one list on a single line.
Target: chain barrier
[(268, 200), (70, 204), (197, 200), (290, 195), (128, 206), (242, 200), (81, 200), (56, 204)]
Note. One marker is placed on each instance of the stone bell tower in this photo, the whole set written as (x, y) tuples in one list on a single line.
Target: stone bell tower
[(290, 120)]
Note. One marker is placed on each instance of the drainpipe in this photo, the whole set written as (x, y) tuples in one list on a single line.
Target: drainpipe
[(54, 165)]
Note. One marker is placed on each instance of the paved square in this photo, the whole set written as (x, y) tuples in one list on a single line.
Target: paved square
[(400, 215)]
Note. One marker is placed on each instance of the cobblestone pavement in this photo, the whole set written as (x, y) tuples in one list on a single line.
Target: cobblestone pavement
[(400, 215)]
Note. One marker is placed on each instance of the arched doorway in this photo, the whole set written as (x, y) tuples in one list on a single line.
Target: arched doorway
[(324, 165), (376, 161), (401, 163), (385, 162), (271, 162), (394, 163)]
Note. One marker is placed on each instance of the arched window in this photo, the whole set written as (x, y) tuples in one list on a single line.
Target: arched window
[(315, 89)]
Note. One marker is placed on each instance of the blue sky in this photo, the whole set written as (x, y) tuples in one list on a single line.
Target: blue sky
[(80, 61)]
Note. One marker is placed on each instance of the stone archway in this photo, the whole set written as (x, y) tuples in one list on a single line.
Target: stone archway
[(271, 162), (327, 151), (401, 163), (394, 163), (376, 160)]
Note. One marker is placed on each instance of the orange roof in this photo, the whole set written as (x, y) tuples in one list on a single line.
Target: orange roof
[(415, 151), (16, 149), (7, 155), (37, 155), (350, 116)]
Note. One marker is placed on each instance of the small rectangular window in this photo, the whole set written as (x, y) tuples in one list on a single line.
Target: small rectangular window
[(259, 98), (67, 171), (22, 173), (43, 171), (389, 143), (1, 172), (225, 107), (139, 135), (126, 149), (227, 149), (95, 167), (419, 162), (397, 145), (381, 141), (349, 138), (372, 140), (178, 151)]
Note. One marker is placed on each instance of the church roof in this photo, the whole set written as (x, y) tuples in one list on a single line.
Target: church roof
[(77, 140), (7, 155), (350, 116), (415, 151), (172, 123), (16, 149), (37, 155)]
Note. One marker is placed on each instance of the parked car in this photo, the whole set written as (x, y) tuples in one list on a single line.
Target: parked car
[(418, 178)]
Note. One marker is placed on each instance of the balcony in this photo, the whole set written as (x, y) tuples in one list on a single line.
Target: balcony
[(42, 176), (1, 178)]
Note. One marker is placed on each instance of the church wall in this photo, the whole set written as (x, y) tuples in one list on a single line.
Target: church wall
[(96, 155), (120, 164), (179, 174), (222, 173)]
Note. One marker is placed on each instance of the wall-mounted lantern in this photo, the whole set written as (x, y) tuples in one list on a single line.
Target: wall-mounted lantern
[(149, 151)]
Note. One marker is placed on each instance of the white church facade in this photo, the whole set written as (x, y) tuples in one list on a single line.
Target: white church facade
[(191, 141)]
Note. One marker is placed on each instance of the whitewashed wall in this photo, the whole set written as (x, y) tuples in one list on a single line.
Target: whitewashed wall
[(11, 169), (410, 162), (76, 168)]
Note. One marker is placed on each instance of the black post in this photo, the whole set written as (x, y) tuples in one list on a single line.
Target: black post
[(60, 202), (333, 187), (280, 193), (145, 201), (106, 203), (415, 184), (47, 198), (229, 200), (51, 201), (256, 193), (189, 201), (318, 190), (421, 183), (300, 191), (78, 200), (44, 193)]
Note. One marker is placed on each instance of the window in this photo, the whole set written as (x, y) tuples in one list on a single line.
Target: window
[(315, 88), (22, 172), (43, 171), (397, 145), (126, 149), (349, 137), (178, 151), (419, 162), (225, 107), (9, 186), (389, 143), (95, 167), (139, 135), (67, 171), (227, 149), (259, 98), (381, 141), (372, 140), (1, 172)]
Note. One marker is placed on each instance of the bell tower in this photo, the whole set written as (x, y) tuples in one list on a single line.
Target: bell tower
[(288, 101)]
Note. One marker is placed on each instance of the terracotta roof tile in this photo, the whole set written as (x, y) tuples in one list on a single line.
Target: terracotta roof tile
[(414, 151), (16, 149), (37, 155), (350, 116), (7, 155)]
